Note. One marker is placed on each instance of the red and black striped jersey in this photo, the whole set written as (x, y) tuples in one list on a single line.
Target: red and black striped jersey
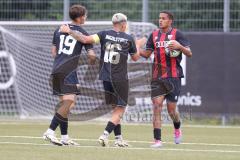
[(165, 66)]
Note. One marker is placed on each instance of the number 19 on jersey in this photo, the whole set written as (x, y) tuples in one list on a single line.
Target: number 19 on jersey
[(67, 44)]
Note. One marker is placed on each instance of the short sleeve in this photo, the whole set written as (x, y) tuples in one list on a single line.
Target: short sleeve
[(54, 40), (101, 35), (149, 44), (133, 48), (182, 39)]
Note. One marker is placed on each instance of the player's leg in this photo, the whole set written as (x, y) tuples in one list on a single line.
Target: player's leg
[(49, 134), (117, 95), (159, 89), (69, 88), (121, 90), (171, 107), (119, 141), (157, 124), (172, 99), (117, 114), (67, 98), (64, 124), (60, 118)]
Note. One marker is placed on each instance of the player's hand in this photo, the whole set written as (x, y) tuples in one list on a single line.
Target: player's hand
[(141, 42), (65, 28), (174, 45)]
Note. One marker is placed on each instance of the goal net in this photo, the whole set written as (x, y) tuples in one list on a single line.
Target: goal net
[(26, 63)]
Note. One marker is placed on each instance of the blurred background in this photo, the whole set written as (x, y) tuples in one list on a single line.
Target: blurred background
[(210, 89), (191, 15)]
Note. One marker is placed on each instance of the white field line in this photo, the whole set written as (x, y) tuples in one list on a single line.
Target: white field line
[(129, 148), (127, 124), (82, 139)]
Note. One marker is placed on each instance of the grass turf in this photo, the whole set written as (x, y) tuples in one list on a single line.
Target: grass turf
[(211, 143)]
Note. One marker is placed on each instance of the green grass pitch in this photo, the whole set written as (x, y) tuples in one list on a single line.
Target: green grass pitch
[(23, 141)]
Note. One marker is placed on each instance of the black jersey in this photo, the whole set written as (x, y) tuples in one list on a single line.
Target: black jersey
[(115, 48), (68, 50)]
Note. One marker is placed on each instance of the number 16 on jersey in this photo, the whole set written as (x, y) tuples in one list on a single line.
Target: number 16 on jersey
[(110, 55)]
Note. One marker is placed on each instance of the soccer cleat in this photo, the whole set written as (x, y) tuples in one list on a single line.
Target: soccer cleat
[(121, 143), (177, 136), (156, 144), (103, 141), (51, 138), (69, 142)]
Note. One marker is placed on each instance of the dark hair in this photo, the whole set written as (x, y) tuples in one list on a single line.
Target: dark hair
[(170, 15), (77, 11)]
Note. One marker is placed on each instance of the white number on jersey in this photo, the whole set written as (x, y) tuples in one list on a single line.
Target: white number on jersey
[(69, 42), (111, 56)]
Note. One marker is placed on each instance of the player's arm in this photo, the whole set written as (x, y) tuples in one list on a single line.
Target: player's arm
[(54, 42), (54, 51), (135, 56), (91, 56), (146, 53), (139, 44), (181, 43), (135, 48), (175, 45), (86, 39)]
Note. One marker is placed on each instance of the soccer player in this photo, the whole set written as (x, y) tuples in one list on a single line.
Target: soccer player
[(116, 45), (66, 51), (167, 72)]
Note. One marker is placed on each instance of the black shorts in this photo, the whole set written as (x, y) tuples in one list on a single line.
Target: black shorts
[(168, 87), (62, 84), (116, 93)]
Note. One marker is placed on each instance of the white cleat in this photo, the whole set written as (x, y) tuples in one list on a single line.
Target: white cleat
[(121, 143), (177, 136), (51, 138), (103, 141), (69, 142), (156, 144)]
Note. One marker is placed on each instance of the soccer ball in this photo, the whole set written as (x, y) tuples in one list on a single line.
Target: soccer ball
[(174, 53)]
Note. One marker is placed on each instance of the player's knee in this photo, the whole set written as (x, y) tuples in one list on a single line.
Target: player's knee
[(66, 104), (171, 110), (157, 105), (157, 102), (172, 114), (118, 109)]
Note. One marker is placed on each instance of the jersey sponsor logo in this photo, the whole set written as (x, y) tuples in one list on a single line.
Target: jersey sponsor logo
[(170, 36), (161, 44)]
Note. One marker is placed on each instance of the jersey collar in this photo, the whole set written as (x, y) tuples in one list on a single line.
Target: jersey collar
[(169, 30)]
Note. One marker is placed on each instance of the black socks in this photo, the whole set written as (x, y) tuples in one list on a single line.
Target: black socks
[(110, 127), (117, 130), (157, 133), (177, 125), (59, 120), (64, 126)]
